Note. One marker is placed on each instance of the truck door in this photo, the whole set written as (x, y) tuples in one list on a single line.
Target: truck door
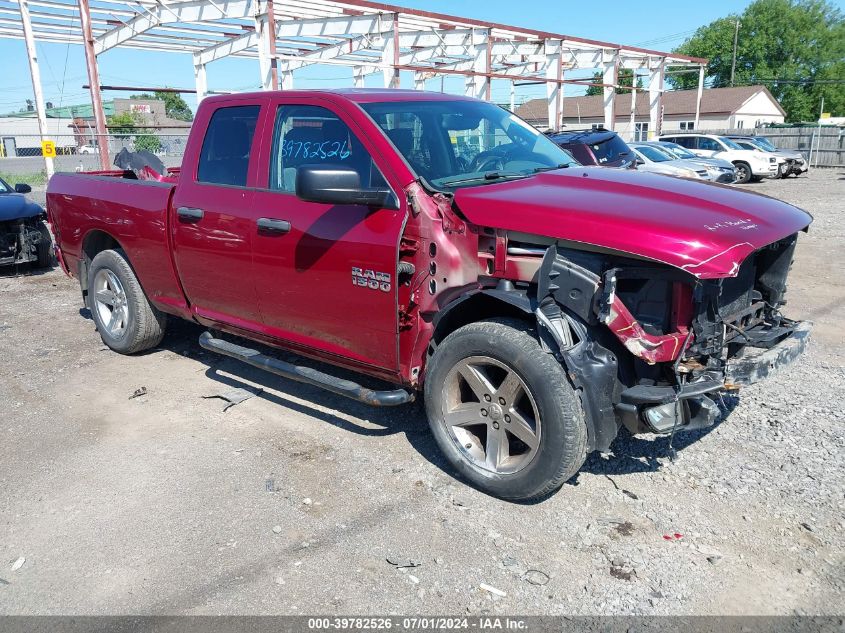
[(325, 274), (212, 221)]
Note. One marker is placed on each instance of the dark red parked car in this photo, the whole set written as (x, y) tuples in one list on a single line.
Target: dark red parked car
[(443, 245)]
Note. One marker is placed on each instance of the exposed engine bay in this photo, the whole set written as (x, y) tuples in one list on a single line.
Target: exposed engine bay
[(24, 240)]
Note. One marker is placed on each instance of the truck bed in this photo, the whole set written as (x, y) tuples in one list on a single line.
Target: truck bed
[(83, 207)]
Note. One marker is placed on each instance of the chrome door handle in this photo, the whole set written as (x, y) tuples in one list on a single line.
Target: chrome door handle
[(273, 225), (190, 214)]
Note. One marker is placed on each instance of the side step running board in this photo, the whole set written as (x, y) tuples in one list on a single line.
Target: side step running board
[(306, 374)]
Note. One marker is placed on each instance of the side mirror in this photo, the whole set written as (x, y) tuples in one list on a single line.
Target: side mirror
[(334, 184), (22, 188), (639, 161)]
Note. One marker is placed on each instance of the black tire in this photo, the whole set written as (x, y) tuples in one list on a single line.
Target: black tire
[(743, 172), (45, 247), (782, 172), (561, 448), (144, 324)]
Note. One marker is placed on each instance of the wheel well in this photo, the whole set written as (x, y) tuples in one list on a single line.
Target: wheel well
[(93, 244), (476, 307)]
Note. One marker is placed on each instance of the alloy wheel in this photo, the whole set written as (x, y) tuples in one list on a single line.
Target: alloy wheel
[(491, 415)]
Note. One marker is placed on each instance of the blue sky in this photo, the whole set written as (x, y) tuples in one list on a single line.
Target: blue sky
[(648, 23)]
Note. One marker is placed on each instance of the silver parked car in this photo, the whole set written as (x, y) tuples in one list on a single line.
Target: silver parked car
[(720, 170), (658, 161), (795, 161)]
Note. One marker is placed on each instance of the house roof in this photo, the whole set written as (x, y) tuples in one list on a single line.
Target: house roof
[(675, 103)]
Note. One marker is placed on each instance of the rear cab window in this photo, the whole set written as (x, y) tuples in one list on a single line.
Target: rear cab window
[(610, 150), (226, 148)]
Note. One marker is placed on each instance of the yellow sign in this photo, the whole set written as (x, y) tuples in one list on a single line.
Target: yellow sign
[(48, 148), (825, 115)]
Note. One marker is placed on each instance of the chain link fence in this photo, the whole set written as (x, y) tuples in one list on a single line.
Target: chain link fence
[(21, 154)]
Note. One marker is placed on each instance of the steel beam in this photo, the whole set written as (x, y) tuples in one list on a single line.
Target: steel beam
[(390, 55), (94, 84), (35, 75)]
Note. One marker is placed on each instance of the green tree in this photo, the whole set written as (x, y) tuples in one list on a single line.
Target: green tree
[(122, 125), (149, 142), (796, 48), (626, 78), (174, 105)]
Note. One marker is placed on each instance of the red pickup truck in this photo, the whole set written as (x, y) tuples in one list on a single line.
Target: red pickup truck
[(443, 245)]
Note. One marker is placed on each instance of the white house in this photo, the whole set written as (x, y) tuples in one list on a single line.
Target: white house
[(721, 108)]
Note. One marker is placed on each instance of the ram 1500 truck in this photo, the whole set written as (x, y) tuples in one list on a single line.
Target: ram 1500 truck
[(443, 245)]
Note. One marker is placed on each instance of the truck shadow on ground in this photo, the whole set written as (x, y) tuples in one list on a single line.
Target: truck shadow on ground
[(342, 413), (630, 454)]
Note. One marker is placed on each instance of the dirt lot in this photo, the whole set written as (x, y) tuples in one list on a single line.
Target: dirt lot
[(291, 502)]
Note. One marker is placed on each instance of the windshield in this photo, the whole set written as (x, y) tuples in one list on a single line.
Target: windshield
[(654, 154), (729, 142), (4, 186), (763, 143), (465, 143), (679, 150), (609, 151)]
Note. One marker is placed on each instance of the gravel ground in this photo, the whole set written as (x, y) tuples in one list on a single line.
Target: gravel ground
[(294, 501)]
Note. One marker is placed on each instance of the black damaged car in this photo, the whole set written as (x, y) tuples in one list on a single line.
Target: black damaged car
[(24, 236)]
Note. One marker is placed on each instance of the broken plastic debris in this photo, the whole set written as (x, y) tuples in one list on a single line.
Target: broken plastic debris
[(138, 393), (18, 563), (235, 396), (493, 590), (672, 537)]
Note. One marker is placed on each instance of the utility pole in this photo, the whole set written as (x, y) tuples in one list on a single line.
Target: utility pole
[(733, 62)]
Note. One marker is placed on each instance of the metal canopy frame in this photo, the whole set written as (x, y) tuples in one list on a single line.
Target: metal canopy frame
[(370, 37)]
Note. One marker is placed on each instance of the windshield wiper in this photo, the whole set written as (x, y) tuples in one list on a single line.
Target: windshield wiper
[(489, 175), (537, 170)]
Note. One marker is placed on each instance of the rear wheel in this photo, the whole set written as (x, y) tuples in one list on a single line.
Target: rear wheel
[(503, 411), (126, 320), (743, 172)]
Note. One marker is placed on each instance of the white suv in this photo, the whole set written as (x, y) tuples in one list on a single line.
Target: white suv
[(750, 165)]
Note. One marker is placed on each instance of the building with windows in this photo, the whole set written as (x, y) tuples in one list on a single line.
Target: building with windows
[(721, 108)]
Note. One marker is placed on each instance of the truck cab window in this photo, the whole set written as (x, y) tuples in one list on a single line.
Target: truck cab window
[(224, 159), (313, 135)]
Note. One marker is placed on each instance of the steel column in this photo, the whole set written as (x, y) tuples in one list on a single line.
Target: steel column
[(390, 55), (610, 79), (201, 81), (554, 85), (655, 99), (35, 75), (94, 84), (698, 96), (634, 107), (358, 76)]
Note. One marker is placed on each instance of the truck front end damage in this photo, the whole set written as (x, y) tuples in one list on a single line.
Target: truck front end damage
[(652, 347)]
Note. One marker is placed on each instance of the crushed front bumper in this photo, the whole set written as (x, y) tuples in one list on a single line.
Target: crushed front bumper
[(660, 409), (758, 364)]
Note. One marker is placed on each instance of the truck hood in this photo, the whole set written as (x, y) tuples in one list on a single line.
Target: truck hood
[(703, 228), (14, 206)]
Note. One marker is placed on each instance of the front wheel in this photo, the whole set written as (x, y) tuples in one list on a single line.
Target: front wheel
[(743, 172), (503, 411)]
